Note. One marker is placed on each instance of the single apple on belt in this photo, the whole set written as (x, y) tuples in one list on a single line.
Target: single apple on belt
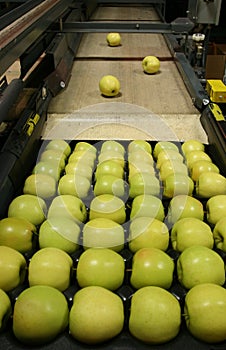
[(109, 86)]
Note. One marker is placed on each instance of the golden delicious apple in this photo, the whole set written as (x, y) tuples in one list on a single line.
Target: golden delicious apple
[(146, 232), (183, 206), (68, 206), (40, 314), (103, 233), (141, 168), (164, 145), (139, 144), (155, 315), (203, 303), (87, 157), (42, 185), (97, 315), (113, 156), (147, 205), (112, 145), (150, 64), (187, 232), (5, 309), (169, 167), (85, 146), (210, 184), (51, 267), (13, 268), (168, 154), (51, 155), (198, 264), (109, 184), (143, 183), (194, 156), (59, 145), (17, 233), (219, 234), (78, 168), (100, 267), (192, 145), (59, 232), (201, 166), (216, 208), (109, 85), (140, 155), (109, 167), (151, 267), (113, 39), (75, 185), (176, 184), (48, 168), (29, 207), (108, 206)]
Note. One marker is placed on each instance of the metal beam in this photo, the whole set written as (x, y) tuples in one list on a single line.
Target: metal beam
[(180, 25)]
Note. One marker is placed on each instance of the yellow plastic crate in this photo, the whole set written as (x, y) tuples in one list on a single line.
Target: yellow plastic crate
[(216, 90)]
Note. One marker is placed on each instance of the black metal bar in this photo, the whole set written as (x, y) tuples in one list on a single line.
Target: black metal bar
[(177, 26), (198, 94), (9, 97)]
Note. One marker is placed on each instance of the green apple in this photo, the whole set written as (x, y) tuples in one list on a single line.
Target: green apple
[(146, 232), (100, 267), (140, 155), (48, 168), (113, 156), (108, 206), (155, 315), (113, 39), (59, 145), (201, 166), (175, 184), (79, 169), (192, 145), (164, 145), (150, 64), (109, 86), (143, 183), (5, 309), (41, 185), (219, 234), (204, 310), (85, 146), (59, 232), (40, 314), (199, 264), (168, 154), (112, 145), (147, 205), (13, 268), (28, 207), (151, 267), (51, 155), (87, 157), (75, 185), (216, 208), (169, 167), (139, 144), (141, 168), (68, 206), (106, 309), (103, 233), (109, 167), (184, 206), (17, 233), (187, 232), (51, 267), (109, 184), (194, 156), (210, 184)]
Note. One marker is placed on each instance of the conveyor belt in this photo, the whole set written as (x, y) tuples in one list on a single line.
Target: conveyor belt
[(163, 94)]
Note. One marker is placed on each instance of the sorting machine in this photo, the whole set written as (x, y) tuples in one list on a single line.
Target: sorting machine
[(43, 38)]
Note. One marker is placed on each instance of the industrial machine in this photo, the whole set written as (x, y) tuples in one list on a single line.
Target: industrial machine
[(43, 38)]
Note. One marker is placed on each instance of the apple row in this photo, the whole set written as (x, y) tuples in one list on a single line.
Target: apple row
[(87, 314)]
